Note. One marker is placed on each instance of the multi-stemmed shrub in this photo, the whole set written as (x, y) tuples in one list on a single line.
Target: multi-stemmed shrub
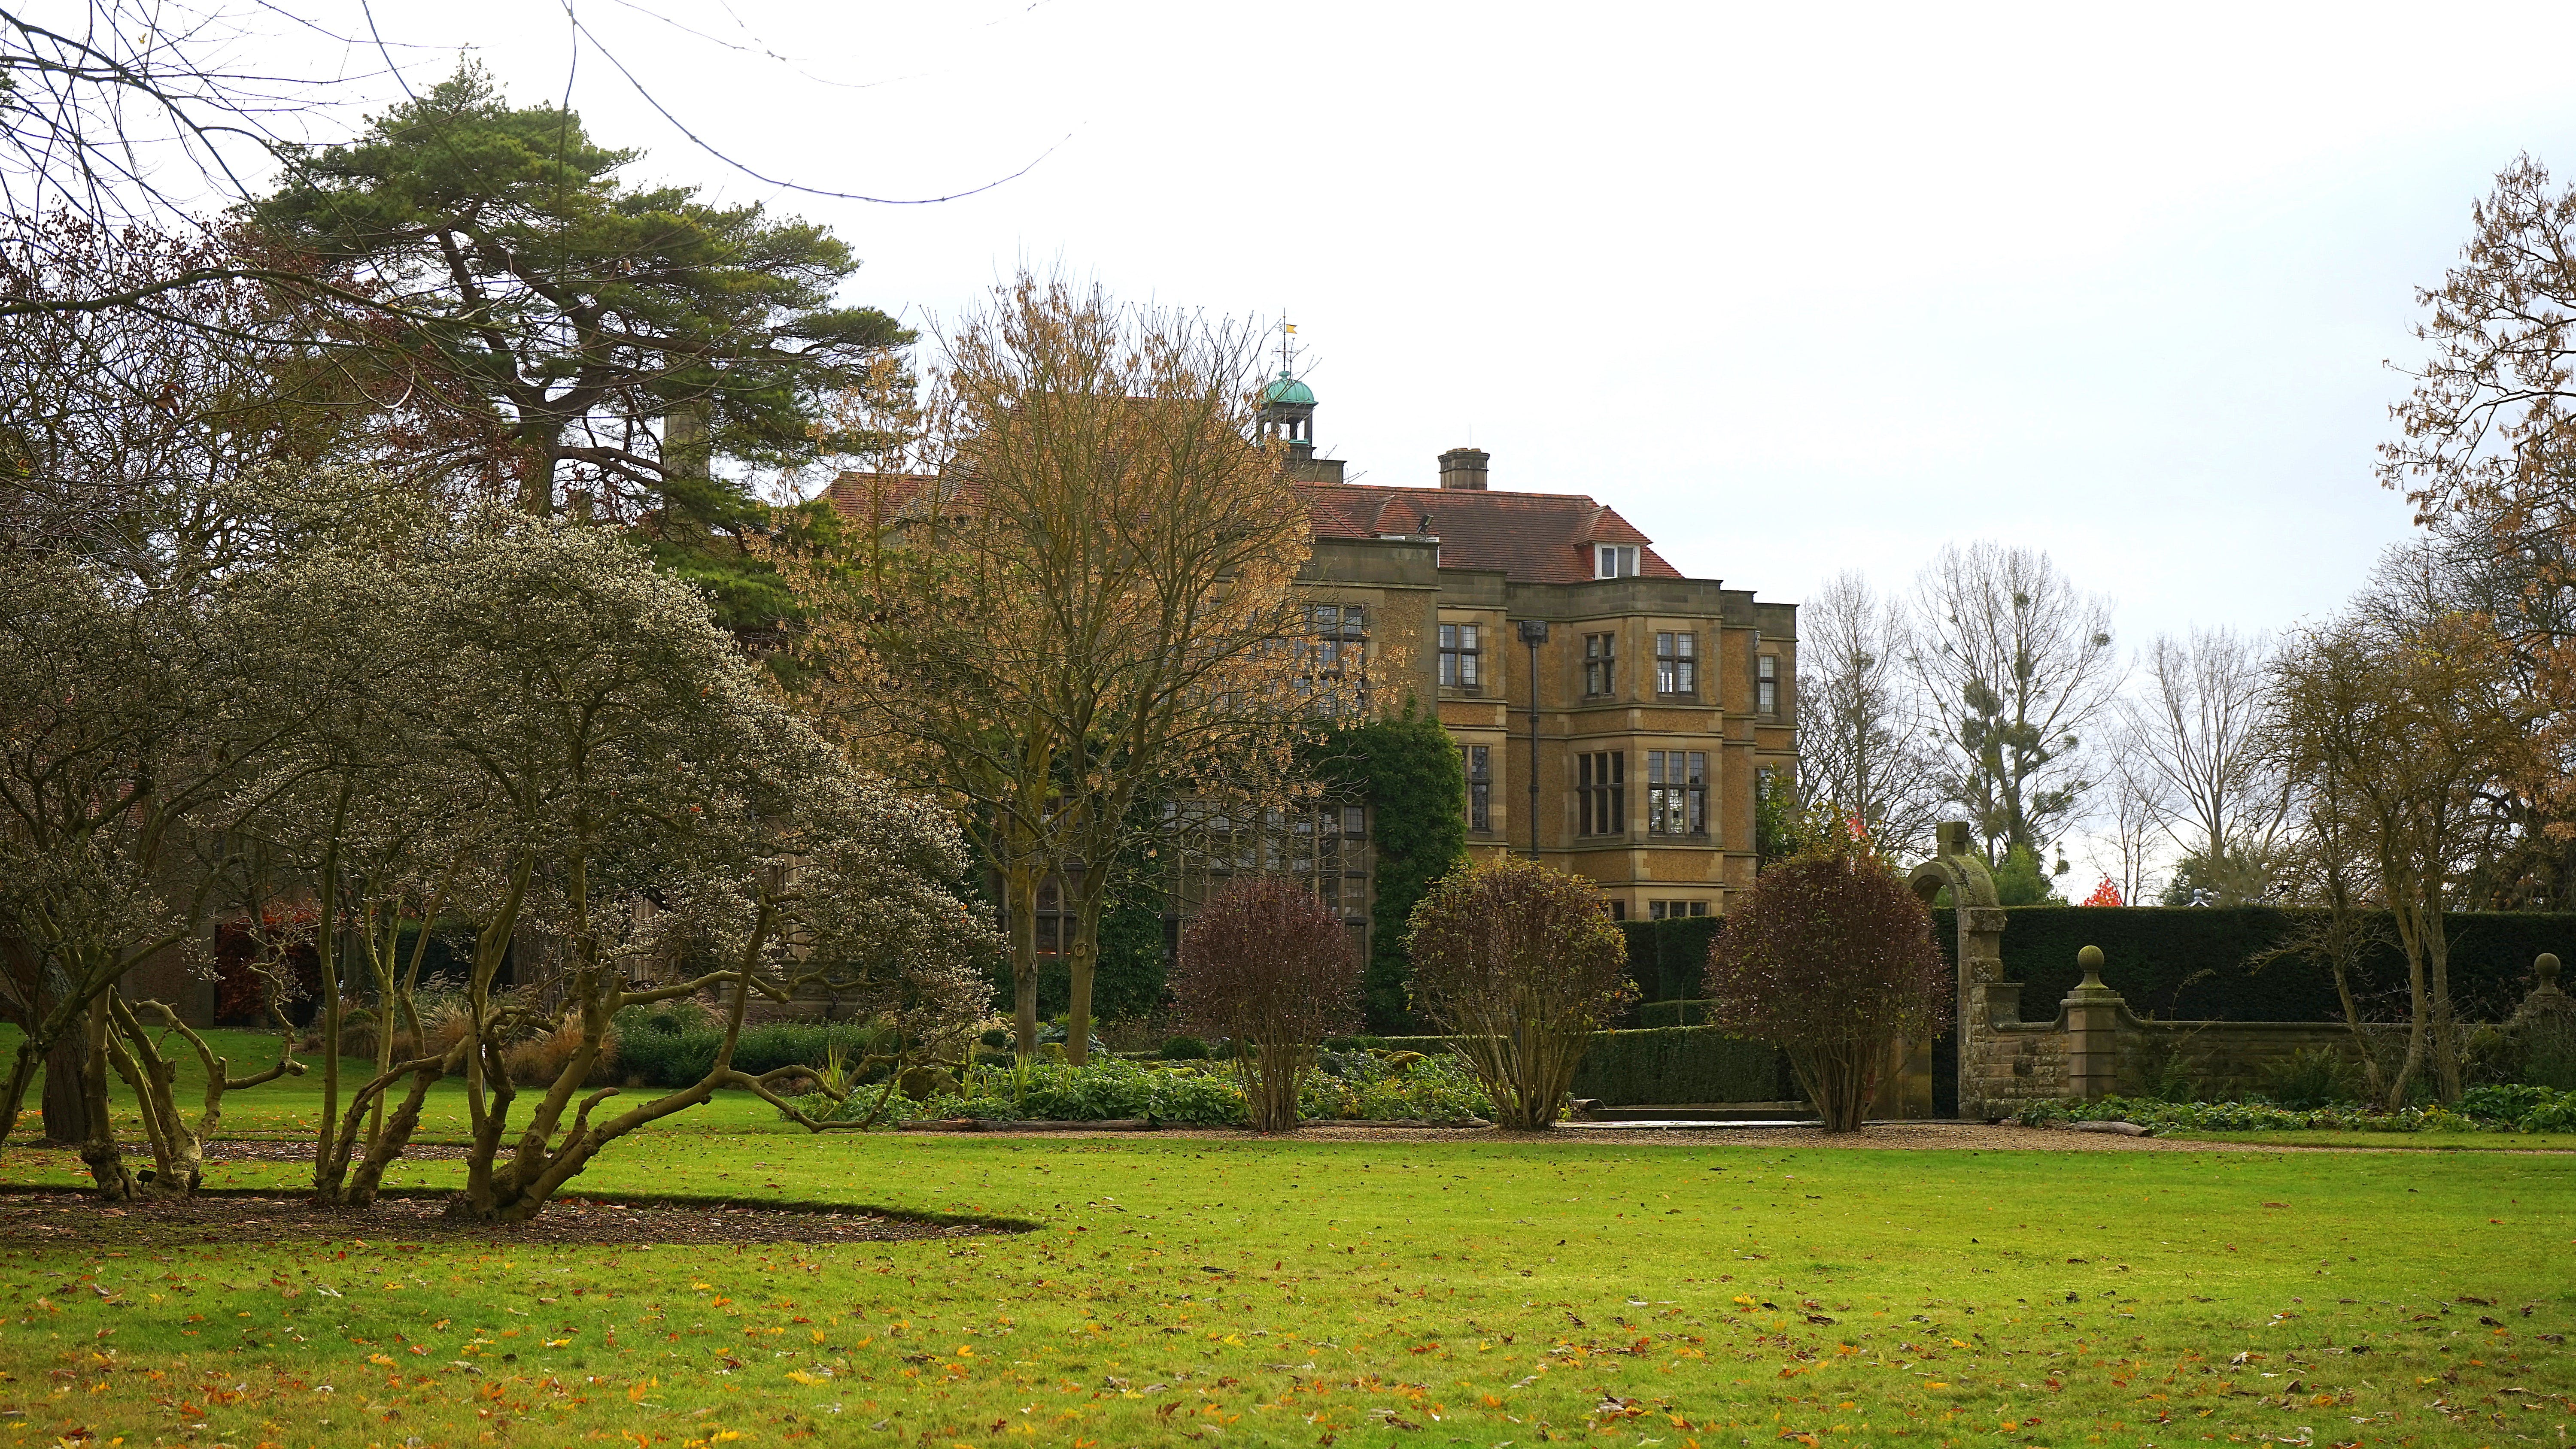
[(1521, 963), (1265, 964), (1830, 958)]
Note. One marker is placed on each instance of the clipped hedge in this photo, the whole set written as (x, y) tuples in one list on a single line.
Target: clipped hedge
[(661, 1057), (1657, 1065), (1671, 1013), (1677, 1064), (2189, 963)]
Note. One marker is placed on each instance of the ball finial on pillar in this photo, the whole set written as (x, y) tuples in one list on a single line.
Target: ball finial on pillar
[(2546, 968), (2090, 958)]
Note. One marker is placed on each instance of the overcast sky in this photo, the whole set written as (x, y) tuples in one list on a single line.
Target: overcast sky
[(1796, 288)]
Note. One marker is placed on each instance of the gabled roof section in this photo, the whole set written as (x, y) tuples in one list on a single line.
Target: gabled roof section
[(857, 495), (1542, 538)]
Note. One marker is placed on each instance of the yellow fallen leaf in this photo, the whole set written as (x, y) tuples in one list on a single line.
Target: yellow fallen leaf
[(558, 1343)]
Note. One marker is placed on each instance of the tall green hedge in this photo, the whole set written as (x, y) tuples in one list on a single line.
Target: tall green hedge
[(1669, 959), (2190, 962)]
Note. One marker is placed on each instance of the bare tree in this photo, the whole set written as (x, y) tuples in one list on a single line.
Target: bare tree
[(1862, 750), (2124, 841), (2194, 742), (2016, 663), (2488, 447), (1269, 966), (1085, 611), (122, 113), (2389, 727)]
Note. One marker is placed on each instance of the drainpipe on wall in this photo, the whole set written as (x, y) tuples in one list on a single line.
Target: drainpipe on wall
[(1533, 633)]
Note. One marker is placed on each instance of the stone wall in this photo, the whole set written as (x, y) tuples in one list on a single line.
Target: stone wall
[(2014, 1061), (2095, 1046)]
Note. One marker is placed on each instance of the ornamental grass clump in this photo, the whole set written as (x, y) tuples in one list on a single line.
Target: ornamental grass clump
[(1521, 963), (1830, 958), (1268, 966)]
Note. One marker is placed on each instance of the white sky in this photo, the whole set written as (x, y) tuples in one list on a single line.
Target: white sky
[(1796, 288)]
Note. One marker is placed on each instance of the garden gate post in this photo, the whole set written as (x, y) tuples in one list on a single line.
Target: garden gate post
[(1984, 996)]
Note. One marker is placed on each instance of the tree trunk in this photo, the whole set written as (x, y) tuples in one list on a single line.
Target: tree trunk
[(2446, 1040), (98, 1150), (66, 1110), (1082, 962), (1020, 912), (2418, 998)]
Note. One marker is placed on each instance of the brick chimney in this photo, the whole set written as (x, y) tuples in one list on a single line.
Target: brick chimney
[(1463, 468)]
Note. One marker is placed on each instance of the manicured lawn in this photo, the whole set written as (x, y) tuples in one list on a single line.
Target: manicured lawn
[(2406, 1141), (288, 1106), (1404, 1292)]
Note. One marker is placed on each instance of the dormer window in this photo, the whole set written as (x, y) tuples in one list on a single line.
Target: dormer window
[(1614, 560)]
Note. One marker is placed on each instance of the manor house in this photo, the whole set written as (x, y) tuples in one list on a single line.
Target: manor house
[(1612, 715)]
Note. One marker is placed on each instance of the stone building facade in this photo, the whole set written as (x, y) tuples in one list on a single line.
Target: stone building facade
[(1613, 716)]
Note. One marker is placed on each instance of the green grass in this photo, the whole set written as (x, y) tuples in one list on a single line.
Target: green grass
[(2405, 1141), (1280, 1292), (288, 1106), (1405, 1292)]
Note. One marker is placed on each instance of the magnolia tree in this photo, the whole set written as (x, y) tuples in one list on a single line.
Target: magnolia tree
[(1265, 963), (1830, 958), (569, 755), (120, 736), (1520, 961), (391, 721)]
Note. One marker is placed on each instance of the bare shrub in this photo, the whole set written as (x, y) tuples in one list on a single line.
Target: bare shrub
[(1520, 961), (538, 1060), (1266, 964), (1830, 958)]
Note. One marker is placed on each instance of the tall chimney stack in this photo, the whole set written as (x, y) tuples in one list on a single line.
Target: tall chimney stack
[(1463, 468)]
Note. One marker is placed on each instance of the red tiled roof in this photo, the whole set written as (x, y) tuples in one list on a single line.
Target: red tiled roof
[(1543, 538), (856, 495)]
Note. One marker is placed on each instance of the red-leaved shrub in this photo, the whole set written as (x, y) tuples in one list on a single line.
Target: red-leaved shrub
[(1519, 961), (1830, 958), (1265, 963)]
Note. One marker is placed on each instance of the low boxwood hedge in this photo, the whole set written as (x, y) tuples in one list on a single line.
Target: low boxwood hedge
[(1667, 1065)]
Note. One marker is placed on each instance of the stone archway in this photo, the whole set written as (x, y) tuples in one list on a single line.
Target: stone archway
[(1958, 867)]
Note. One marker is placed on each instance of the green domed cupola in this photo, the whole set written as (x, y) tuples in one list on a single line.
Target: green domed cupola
[(1288, 411), (1286, 390)]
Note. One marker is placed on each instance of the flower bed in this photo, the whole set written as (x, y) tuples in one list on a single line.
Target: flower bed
[(2480, 1109), (1346, 1086)]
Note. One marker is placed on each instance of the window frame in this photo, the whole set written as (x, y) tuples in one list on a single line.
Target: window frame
[(1478, 762), (1461, 658), (1766, 685), (1601, 793), (1615, 560), (1600, 665), (1677, 662), (1677, 793)]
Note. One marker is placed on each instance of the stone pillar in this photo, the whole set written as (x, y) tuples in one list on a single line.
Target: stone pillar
[(2546, 997), (1955, 867), (2092, 1011)]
